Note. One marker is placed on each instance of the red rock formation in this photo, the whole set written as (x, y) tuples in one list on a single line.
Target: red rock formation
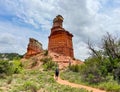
[(64, 61), (34, 47), (60, 40)]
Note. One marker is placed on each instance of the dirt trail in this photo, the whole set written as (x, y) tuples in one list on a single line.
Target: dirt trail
[(65, 82)]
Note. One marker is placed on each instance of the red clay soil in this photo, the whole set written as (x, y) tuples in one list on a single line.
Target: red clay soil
[(62, 60), (65, 82)]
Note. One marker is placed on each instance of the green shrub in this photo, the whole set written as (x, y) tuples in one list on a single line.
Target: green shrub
[(10, 67), (46, 53), (5, 67), (91, 72), (34, 63), (45, 60), (116, 73), (112, 86), (3, 76), (17, 66), (75, 68), (50, 65), (9, 80), (71, 76), (28, 85)]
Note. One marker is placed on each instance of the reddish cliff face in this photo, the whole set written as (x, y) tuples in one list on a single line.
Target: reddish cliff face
[(34, 47), (60, 40)]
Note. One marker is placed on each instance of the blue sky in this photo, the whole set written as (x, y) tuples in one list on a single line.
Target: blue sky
[(85, 19)]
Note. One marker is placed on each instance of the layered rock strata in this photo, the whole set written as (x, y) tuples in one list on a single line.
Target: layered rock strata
[(34, 47), (60, 40)]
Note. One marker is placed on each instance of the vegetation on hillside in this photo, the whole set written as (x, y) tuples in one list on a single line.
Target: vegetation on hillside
[(34, 81), (48, 64), (101, 69), (75, 77), (103, 62), (9, 56), (14, 78), (45, 52), (10, 67)]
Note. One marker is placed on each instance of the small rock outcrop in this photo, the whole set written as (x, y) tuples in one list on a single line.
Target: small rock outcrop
[(34, 48)]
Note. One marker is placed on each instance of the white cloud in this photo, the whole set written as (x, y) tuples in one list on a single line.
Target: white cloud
[(15, 39), (93, 6)]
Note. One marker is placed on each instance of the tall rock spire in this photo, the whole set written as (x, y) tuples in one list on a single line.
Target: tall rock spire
[(57, 22), (60, 40)]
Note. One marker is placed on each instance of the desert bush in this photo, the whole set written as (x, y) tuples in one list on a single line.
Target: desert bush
[(28, 85), (45, 60), (17, 66), (2, 75), (107, 58), (91, 71), (10, 67), (112, 86), (9, 80), (50, 65), (109, 84), (46, 53), (5, 67), (34, 63), (75, 68)]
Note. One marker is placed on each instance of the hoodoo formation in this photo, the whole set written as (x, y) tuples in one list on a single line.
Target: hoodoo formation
[(34, 47), (60, 40), (60, 46)]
